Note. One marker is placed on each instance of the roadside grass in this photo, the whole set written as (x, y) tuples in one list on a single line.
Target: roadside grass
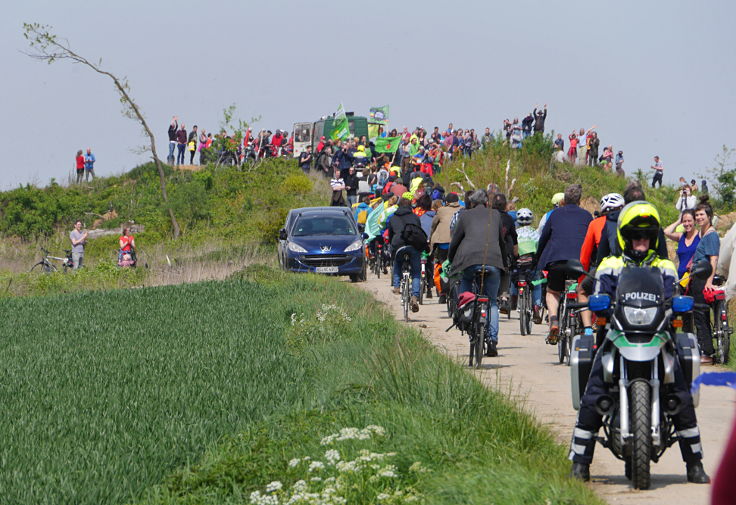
[(203, 393)]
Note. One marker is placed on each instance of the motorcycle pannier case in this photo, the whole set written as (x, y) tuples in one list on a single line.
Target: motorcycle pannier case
[(581, 361), (688, 353)]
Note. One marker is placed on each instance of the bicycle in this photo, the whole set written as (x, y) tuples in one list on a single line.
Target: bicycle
[(46, 266), (405, 284), (481, 319), (569, 318), (524, 304), (721, 329), (424, 283)]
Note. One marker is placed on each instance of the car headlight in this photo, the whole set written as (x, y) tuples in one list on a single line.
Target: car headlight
[(358, 244), (640, 316), (294, 247)]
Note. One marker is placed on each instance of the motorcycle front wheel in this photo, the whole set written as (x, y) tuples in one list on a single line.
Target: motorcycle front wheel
[(641, 433)]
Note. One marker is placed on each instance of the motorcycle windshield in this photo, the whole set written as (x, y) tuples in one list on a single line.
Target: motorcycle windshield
[(640, 287)]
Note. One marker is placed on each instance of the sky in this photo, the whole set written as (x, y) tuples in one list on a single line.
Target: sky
[(654, 77)]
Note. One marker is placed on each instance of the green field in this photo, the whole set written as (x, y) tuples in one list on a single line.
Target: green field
[(202, 393)]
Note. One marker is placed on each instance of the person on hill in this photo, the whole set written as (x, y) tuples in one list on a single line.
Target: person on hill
[(572, 152), (686, 200), (399, 222), (706, 250), (658, 171), (305, 159), (560, 142), (79, 164), (539, 119), (127, 244), (593, 144), (203, 148), (687, 239), (192, 144), (620, 164), (478, 245), (612, 202), (561, 239), (181, 144), (89, 164), (78, 239), (487, 138), (526, 125), (637, 233), (173, 128), (440, 236)]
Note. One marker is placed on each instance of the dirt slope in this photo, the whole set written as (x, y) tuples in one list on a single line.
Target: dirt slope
[(528, 369)]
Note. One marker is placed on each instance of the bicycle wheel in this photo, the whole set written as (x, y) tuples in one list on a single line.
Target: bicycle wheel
[(44, 266), (723, 332), (573, 330), (479, 340), (422, 285), (529, 310), (562, 337), (405, 296), (378, 263), (522, 312)]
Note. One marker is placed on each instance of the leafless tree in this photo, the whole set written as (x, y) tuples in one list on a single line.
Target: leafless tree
[(49, 47)]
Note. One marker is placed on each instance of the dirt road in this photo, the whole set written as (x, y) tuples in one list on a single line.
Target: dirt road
[(528, 368)]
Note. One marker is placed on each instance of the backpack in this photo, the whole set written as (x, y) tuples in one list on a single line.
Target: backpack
[(414, 235), (462, 317)]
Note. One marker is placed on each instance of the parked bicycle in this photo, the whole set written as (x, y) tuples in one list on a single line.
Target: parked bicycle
[(718, 308), (46, 265)]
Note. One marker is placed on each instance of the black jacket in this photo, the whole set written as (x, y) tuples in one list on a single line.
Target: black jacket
[(539, 121), (396, 224), (351, 181), (478, 240), (173, 127)]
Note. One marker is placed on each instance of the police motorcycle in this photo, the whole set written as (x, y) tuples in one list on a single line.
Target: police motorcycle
[(643, 338)]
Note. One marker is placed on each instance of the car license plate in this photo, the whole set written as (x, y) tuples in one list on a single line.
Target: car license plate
[(326, 270)]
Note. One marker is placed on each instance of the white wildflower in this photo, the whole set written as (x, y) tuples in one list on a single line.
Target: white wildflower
[(417, 467), (300, 486), (316, 479), (274, 486), (383, 496), (316, 465), (294, 462), (378, 430), (332, 456), (388, 471)]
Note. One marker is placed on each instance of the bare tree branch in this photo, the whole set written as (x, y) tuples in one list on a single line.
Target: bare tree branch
[(462, 171), (49, 47)]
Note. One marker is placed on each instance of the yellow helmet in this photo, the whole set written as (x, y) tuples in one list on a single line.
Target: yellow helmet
[(638, 220), (557, 198)]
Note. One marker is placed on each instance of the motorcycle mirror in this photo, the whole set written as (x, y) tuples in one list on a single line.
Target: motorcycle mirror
[(282, 234), (682, 303), (701, 269), (598, 303)]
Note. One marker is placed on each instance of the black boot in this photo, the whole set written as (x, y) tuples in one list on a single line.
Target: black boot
[(581, 471), (442, 299), (491, 350), (696, 473)]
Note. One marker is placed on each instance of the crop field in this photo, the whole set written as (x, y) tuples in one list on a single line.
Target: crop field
[(221, 392)]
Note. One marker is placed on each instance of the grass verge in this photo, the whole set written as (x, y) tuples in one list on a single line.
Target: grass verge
[(203, 393)]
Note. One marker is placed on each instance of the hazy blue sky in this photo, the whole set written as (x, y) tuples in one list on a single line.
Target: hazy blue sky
[(655, 77)]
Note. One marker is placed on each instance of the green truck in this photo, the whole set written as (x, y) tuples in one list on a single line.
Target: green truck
[(309, 134)]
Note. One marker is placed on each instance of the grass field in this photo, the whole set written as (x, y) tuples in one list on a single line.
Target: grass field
[(203, 393)]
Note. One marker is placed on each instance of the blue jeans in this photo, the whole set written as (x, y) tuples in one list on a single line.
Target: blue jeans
[(180, 155), (172, 146), (491, 282), (415, 260)]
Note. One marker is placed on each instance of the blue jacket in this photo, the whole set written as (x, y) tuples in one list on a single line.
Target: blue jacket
[(89, 161), (563, 235)]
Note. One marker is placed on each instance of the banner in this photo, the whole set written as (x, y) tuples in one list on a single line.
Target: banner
[(340, 127), (387, 144), (373, 130), (379, 114)]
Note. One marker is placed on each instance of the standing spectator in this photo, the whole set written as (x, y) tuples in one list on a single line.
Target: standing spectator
[(539, 118), (685, 200), (572, 152), (338, 185), (351, 186), (192, 144), (79, 239), (703, 187), (487, 138), (620, 164), (658, 171), (80, 166), (203, 148), (173, 127), (89, 164), (305, 159), (693, 186), (560, 142), (526, 125), (181, 144), (593, 149)]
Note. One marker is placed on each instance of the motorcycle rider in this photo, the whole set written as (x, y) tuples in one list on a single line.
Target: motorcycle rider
[(638, 233)]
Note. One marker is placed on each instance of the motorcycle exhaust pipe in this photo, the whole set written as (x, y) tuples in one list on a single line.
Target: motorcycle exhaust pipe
[(672, 405), (604, 405)]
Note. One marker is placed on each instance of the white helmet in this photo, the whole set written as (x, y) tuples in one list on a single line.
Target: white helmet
[(524, 217), (611, 201)]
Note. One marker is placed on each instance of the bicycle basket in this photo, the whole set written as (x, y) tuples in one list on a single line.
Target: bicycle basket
[(463, 316)]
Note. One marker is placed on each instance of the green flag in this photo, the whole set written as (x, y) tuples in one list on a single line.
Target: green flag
[(387, 144), (379, 114), (340, 128)]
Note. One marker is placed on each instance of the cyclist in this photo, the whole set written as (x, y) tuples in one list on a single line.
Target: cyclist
[(561, 239), (439, 236), (478, 244), (398, 224), (528, 239), (498, 202), (612, 202), (637, 234)]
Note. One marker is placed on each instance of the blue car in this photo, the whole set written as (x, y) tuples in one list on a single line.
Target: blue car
[(323, 240)]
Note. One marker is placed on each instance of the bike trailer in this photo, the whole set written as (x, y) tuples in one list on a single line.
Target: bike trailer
[(688, 353), (581, 362)]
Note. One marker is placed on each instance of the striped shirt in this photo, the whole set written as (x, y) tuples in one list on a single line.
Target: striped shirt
[(337, 184)]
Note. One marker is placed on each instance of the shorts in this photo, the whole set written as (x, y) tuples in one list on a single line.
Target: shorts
[(555, 280), (588, 283)]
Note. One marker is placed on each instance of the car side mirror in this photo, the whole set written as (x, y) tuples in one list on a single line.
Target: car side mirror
[(282, 234)]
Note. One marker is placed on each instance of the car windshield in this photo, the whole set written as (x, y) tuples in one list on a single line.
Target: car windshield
[(323, 225)]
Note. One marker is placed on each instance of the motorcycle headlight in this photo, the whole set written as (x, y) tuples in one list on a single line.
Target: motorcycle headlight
[(637, 316), (358, 244), (294, 247)]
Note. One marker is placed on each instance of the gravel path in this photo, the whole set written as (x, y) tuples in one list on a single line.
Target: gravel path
[(527, 369)]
